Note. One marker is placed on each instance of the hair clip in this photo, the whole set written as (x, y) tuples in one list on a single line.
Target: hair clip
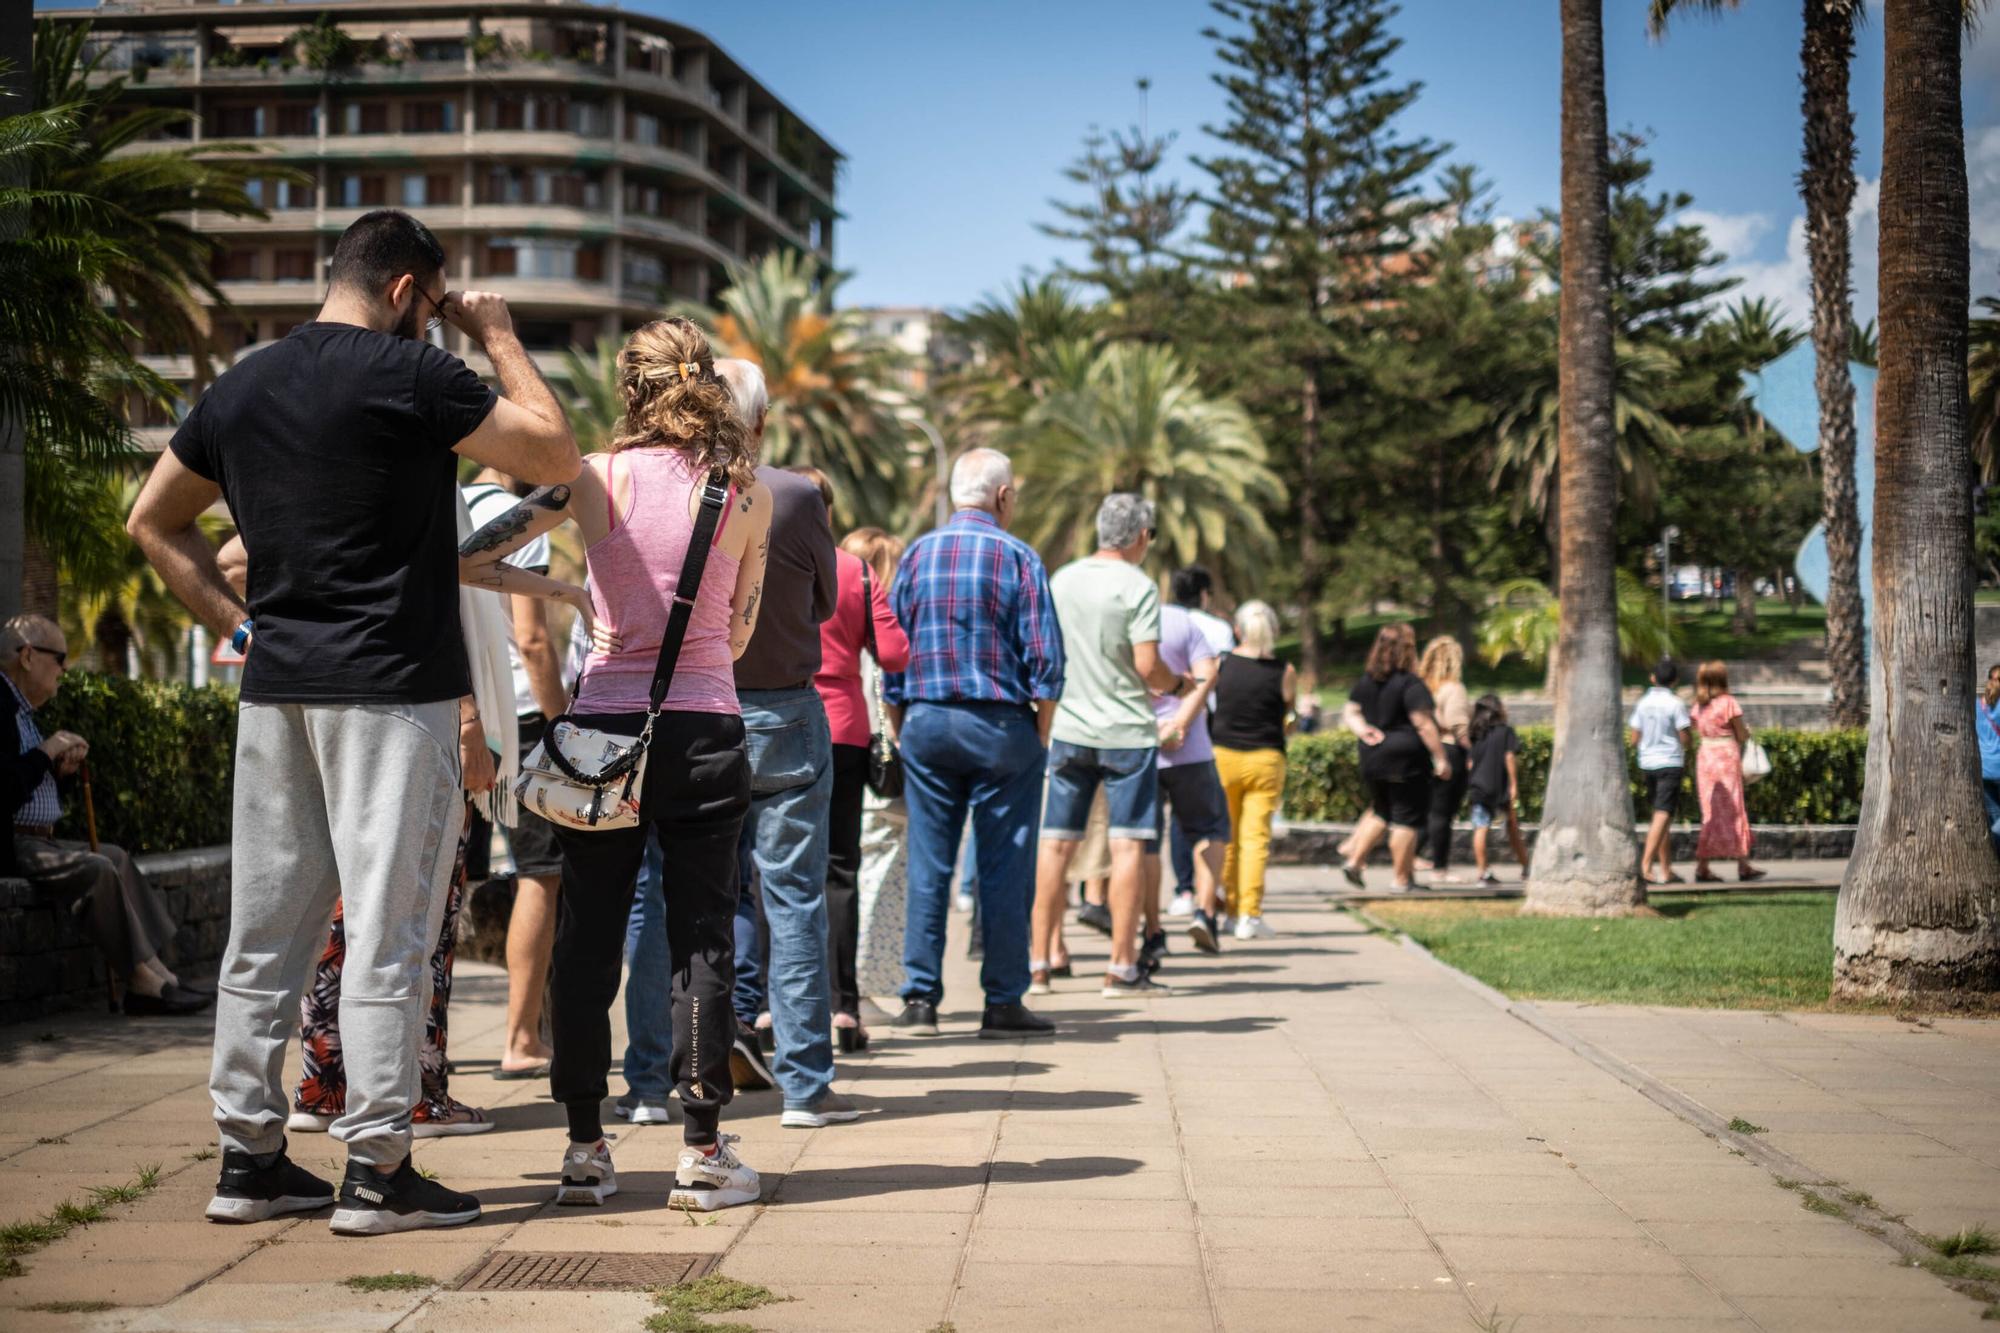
[(689, 369)]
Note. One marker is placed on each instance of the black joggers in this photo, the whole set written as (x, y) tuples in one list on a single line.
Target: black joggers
[(843, 874), (1446, 797), (696, 793)]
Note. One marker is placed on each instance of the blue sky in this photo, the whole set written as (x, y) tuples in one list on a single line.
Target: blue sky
[(958, 118), (959, 115)]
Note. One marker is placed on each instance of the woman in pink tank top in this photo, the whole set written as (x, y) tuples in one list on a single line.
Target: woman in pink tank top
[(635, 505)]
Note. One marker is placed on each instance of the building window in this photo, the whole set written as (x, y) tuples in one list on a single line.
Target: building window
[(239, 122), (543, 258), (293, 265), (544, 335), (440, 49), (363, 191), (298, 120), (364, 118), (430, 117), (234, 265), (644, 270), (642, 128)]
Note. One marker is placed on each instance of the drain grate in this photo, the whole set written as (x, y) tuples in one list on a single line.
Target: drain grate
[(585, 1271)]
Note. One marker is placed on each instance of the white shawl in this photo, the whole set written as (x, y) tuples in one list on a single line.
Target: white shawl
[(488, 636)]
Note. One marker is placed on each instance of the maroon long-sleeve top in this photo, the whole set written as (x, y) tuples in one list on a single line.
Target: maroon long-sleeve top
[(842, 637)]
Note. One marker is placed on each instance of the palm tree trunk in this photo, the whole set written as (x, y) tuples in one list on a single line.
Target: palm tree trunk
[(1919, 911), (1586, 860), (1828, 186)]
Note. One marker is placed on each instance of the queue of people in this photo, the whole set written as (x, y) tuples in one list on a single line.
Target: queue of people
[(822, 721)]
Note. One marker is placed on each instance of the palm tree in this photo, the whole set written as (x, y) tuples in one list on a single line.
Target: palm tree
[(831, 404), (1826, 55), (1528, 434), (1919, 909), (1029, 340), (1136, 421), (1526, 621), (1586, 860), (596, 404)]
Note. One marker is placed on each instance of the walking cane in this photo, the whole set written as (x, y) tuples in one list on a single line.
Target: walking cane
[(90, 831)]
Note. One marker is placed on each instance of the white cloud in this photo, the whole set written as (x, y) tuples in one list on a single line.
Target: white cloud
[(1786, 280)]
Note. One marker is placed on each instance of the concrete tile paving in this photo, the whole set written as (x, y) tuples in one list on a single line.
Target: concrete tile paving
[(1322, 1131)]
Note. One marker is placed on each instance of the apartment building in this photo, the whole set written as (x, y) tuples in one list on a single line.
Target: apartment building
[(592, 165)]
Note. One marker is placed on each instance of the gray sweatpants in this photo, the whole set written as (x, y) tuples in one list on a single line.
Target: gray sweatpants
[(353, 802)]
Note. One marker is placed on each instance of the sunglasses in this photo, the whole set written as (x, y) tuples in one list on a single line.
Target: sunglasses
[(434, 322), (1152, 534), (62, 659)]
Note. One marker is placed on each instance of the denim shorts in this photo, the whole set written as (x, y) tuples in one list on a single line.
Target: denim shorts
[(1131, 781), (1483, 815)]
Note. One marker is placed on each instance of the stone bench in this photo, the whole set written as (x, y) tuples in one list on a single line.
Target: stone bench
[(48, 964), (1303, 843)]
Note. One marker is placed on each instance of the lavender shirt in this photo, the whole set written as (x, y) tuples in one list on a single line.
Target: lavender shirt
[(1182, 644)]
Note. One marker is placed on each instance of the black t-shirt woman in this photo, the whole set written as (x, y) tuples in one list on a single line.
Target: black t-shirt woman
[(1392, 714)]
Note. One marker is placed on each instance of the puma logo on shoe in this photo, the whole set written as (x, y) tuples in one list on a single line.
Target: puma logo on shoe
[(368, 1194)]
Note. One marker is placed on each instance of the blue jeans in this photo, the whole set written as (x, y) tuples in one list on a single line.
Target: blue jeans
[(649, 985), (791, 790), (985, 760)]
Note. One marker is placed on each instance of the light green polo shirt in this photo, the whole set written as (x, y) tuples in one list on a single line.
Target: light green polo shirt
[(1105, 607)]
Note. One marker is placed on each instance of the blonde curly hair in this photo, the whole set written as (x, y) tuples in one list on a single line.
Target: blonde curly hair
[(1443, 661), (674, 399)]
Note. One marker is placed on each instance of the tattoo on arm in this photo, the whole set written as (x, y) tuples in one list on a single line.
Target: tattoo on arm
[(505, 527), (750, 606)]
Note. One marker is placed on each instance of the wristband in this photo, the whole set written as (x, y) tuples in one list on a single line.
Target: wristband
[(240, 640)]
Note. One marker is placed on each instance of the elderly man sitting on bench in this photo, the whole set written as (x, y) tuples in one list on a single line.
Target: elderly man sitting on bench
[(112, 900)]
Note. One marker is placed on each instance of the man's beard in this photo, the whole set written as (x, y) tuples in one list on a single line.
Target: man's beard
[(412, 325)]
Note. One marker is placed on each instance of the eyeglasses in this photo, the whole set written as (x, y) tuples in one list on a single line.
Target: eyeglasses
[(1152, 534), (62, 659), (435, 322)]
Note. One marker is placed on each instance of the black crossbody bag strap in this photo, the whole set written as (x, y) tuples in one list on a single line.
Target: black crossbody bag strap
[(713, 496), (868, 615)]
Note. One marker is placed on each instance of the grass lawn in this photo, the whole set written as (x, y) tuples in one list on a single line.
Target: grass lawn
[(1714, 951)]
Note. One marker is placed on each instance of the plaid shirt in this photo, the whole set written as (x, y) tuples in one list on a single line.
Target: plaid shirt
[(981, 620), (43, 807)]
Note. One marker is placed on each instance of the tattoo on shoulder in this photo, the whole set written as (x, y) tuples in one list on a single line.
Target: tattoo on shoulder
[(744, 508), (505, 527)]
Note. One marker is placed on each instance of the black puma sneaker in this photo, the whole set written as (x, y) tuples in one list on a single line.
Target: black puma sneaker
[(372, 1204), (247, 1192)]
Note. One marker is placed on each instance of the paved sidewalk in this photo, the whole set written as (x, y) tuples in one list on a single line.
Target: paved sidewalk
[(1321, 1131)]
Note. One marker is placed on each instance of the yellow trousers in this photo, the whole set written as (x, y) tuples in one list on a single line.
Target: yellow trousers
[(1253, 782)]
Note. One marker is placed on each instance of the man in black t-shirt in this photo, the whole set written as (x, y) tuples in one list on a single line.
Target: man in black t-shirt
[(336, 449)]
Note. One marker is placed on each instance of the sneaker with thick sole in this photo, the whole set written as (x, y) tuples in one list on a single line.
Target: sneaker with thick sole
[(1095, 915), (707, 1181), (747, 1068), (1182, 905), (247, 1192), (918, 1019), (652, 1111), (309, 1122), (1202, 931), (372, 1204), (1144, 988), (1038, 982), (1153, 952), (587, 1178), (1253, 928), (832, 1109)]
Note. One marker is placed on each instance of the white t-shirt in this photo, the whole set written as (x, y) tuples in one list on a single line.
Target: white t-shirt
[(1215, 629), (487, 502), (1659, 717)]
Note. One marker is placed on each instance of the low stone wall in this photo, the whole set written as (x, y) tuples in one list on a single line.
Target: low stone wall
[(1314, 844), (48, 964)]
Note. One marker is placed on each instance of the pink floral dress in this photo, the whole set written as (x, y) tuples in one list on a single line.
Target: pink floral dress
[(1718, 777)]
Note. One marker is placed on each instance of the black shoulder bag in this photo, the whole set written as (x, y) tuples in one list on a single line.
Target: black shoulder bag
[(885, 761)]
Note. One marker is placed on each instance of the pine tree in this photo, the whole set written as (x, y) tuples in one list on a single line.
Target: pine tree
[(1313, 205), (1126, 223)]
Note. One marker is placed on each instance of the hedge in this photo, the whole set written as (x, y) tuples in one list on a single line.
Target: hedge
[(161, 758), (1815, 778)]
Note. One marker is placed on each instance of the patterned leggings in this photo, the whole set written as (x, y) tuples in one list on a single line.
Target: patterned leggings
[(323, 1085)]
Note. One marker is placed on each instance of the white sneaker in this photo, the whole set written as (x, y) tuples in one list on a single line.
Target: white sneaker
[(1253, 928), (833, 1109), (1182, 905), (645, 1111), (707, 1181), (587, 1177), (963, 902), (309, 1122)]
